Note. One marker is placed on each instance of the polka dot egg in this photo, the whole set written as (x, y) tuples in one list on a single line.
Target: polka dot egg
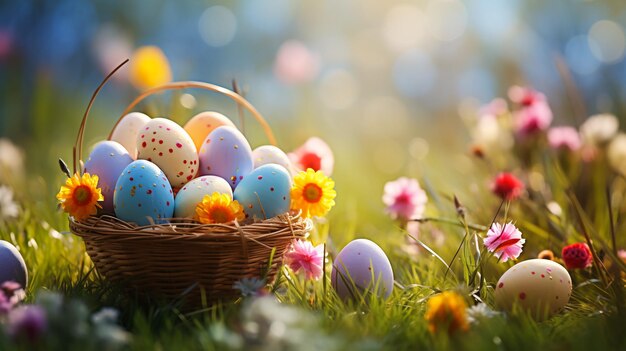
[(227, 154), (167, 145), (540, 287), (265, 193), (143, 194)]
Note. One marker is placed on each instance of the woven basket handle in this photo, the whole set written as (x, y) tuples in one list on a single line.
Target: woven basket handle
[(240, 100)]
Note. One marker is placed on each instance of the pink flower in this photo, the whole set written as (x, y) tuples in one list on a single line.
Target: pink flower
[(303, 256), (405, 199), (315, 154), (533, 118), (29, 322), (505, 242), (564, 138), (525, 96), (295, 63)]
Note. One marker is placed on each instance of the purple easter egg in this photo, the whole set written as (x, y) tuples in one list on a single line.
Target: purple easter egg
[(226, 153), (107, 160)]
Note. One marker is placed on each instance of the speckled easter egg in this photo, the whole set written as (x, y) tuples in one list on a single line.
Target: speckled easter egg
[(107, 160), (190, 195), (202, 124), (355, 266), (142, 192), (541, 287), (227, 154), (126, 131), (167, 145), (12, 266), (270, 154), (265, 193)]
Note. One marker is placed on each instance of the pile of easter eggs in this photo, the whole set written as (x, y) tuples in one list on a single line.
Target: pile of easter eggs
[(152, 169)]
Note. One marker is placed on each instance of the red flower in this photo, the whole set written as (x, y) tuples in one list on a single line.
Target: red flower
[(507, 186), (577, 256)]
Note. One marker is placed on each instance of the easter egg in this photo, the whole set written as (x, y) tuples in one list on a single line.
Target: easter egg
[(107, 160), (265, 193), (12, 266), (167, 145), (356, 265), (267, 154), (126, 131), (190, 195), (143, 193), (202, 124), (227, 154), (541, 287)]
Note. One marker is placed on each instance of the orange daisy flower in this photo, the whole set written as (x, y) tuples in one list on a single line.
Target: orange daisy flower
[(80, 195), (218, 208), (313, 193)]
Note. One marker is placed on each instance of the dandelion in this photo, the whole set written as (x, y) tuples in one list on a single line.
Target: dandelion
[(404, 199), (504, 241), (599, 129), (312, 193), (507, 186), (564, 138), (8, 207), (219, 208), (577, 256), (480, 312), (314, 154), (149, 68), (251, 286), (446, 312), (80, 195), (306, 257)]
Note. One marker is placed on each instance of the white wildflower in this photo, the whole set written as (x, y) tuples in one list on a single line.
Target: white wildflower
[(617, 153), (8, 207), (599, 129)]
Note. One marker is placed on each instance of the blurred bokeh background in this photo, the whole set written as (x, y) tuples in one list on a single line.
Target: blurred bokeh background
[(385, 83)]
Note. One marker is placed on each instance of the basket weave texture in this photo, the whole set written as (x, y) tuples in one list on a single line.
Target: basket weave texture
[(201, 261), (184, 256)]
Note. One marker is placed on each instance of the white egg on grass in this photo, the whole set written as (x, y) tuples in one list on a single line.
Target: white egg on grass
[(362, 267), (539, 286), (12, 265)]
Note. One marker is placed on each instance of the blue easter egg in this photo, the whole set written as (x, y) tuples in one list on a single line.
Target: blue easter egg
[(107, 160), (265, 193), (143, 193), (227, 154), (12, 266)]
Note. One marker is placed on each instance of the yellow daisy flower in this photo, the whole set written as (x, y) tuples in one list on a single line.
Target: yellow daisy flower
[(218, 208), (149, 68), (80, 195), (313, 193), (446, 312)]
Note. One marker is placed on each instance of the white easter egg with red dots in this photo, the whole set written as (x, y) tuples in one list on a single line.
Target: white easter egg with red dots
[(538, 286), (192, 193), (167, 145)]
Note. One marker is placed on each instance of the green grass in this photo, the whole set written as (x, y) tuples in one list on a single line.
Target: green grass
[(310, 315)]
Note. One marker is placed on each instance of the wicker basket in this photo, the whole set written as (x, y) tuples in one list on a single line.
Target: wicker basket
[(201, 261)]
